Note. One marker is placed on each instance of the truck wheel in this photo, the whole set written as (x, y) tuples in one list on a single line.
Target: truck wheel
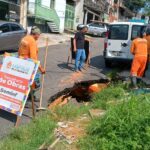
[(107, 63)]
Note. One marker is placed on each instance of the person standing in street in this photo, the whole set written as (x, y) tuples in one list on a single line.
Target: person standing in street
[(139, 50), (28, 46), (78, 43), (28, 49), (147, 37)]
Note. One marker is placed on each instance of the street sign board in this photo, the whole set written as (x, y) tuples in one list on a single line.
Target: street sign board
[(16, 77)]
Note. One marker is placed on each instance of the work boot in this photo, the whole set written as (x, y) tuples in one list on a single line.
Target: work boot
[(134, 82)]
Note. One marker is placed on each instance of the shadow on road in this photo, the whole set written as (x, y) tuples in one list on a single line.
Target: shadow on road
[(8, 116), (64, 65), (99, 63)]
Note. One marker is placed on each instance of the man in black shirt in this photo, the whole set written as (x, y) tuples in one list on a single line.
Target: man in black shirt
[(78, 44)]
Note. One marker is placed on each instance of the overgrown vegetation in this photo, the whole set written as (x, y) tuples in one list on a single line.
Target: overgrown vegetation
[(41, 129), (125, 125), (70, 112), (104, 99), (31, 136)]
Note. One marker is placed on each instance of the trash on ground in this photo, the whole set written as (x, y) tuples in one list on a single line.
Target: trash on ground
[(72, 131)]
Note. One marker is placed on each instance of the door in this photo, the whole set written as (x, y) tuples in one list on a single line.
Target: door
[(135, 29), (69, 16), (17, 34), (118, 41), (5, 37)]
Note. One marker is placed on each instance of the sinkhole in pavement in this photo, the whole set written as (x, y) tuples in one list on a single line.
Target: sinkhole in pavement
[(79, 93)]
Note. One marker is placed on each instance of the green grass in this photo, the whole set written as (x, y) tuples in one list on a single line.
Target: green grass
[(70, 111), (125, 126), (31, 136), (113, 93), (41, 129)]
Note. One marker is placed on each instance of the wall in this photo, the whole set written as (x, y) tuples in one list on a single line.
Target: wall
[(79, 13), (46, 3), (60, 7), (31, 7)]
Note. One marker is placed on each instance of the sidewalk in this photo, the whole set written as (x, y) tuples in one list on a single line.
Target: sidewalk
[(54, 39)]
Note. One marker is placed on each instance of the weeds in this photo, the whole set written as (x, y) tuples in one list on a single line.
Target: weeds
[(31, 136), (70, 111), (112, 94), (125, 126)]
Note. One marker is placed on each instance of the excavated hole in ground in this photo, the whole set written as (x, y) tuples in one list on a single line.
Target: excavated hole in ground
[(81, 92)]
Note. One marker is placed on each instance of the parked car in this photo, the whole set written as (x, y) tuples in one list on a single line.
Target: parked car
[(80, 26), (118, 41), (97, 29), (10, 35)]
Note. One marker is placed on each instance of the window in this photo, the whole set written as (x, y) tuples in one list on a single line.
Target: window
[(118, 32), (96, 25), (136, 29), (15, 27), (4, 28)]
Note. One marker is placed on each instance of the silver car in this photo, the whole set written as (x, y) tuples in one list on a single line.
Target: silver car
[(97, 29), (10, 35)]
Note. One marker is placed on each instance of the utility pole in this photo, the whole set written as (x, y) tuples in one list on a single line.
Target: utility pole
[(23, 13)]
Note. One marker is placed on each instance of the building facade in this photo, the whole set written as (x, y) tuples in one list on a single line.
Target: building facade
[(43, 14), (57, 15), (10, 10), (93, 10), (117, 11)]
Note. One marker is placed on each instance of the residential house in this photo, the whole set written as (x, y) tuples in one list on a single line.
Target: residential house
[(124, 13), (9, 10), (83, 12), (118, 12), (93, 10), (42, 13)]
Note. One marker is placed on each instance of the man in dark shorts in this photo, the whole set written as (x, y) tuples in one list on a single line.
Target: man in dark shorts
[(78, 44)]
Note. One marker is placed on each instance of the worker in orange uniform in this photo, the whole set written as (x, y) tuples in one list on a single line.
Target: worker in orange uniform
[(139, 50), (147, 37), (28, 48)]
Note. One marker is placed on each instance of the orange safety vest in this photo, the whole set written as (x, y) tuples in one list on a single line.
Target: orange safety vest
[(139, 47), (28, 48)]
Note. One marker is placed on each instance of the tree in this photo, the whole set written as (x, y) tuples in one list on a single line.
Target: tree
[(135, 5), (147, 8)]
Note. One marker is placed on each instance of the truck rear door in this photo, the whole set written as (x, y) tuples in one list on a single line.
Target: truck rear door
[(118, 41)]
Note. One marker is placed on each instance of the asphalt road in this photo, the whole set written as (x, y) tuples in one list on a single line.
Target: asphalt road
[(58, 77)]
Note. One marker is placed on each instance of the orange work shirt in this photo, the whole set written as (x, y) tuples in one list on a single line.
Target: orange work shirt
[(28, 48), (148, 43), (139, 47)]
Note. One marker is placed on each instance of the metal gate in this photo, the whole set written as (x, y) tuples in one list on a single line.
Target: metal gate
[(69, 16)]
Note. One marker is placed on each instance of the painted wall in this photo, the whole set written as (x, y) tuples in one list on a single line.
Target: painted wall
[(31, 7), (79, 13), (46, 3), (60, 7)]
